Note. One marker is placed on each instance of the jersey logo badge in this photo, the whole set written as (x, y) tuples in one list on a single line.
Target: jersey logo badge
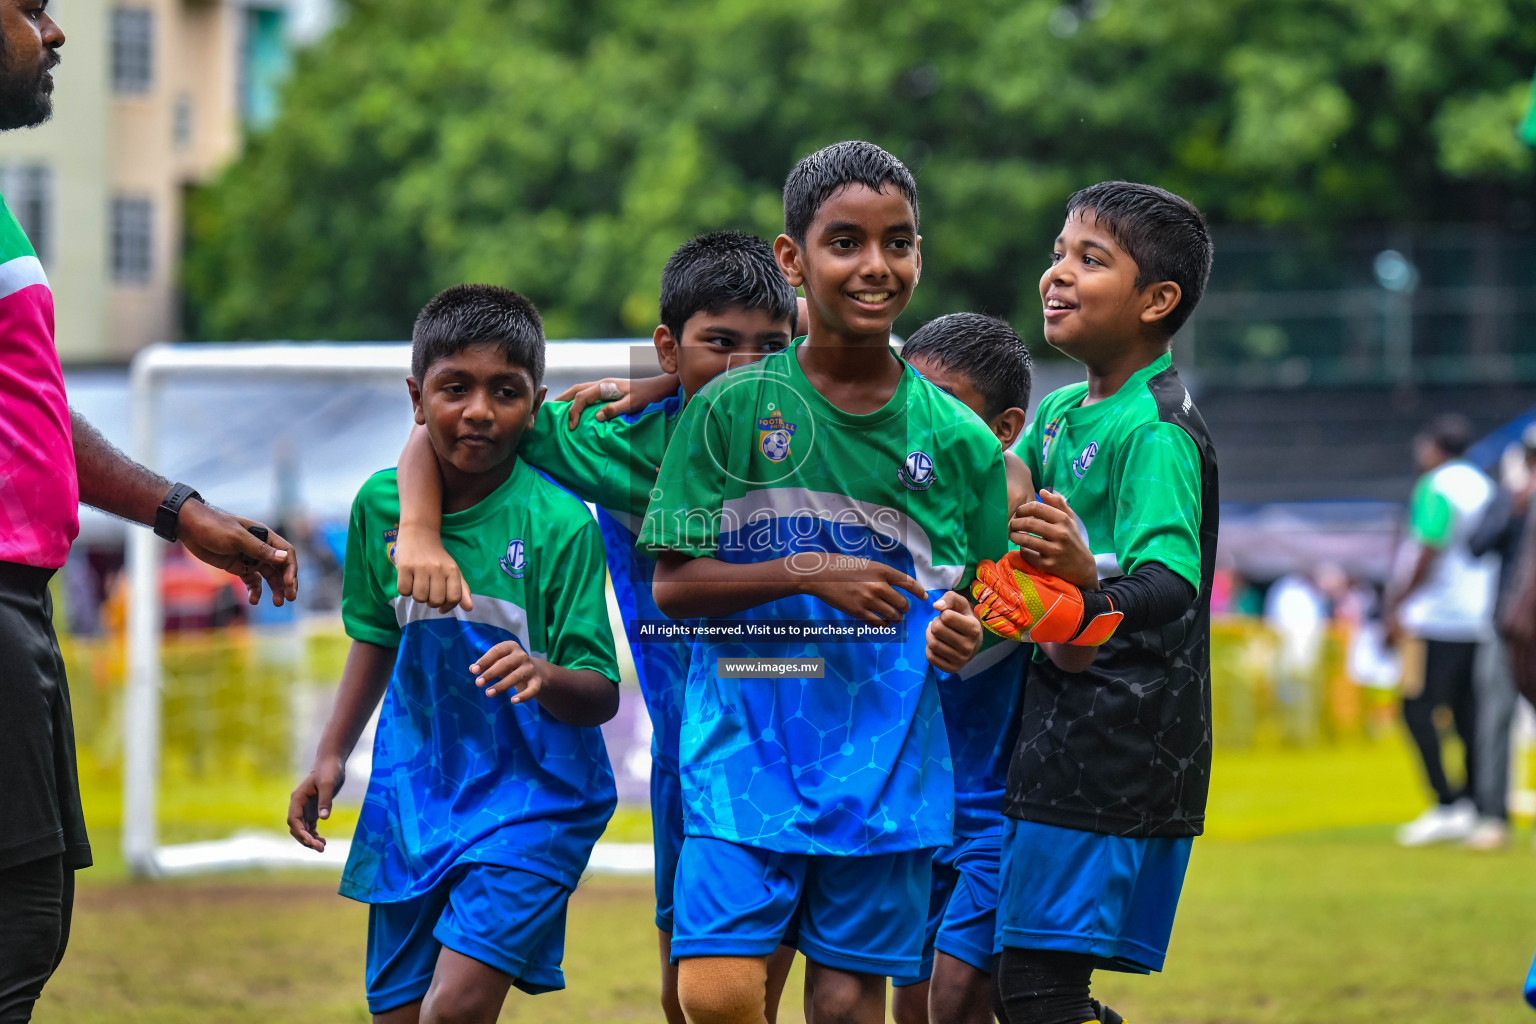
[(773, 436), (513, 564), (390, 536), (917, 471), (1051, 429), (1082, 462)]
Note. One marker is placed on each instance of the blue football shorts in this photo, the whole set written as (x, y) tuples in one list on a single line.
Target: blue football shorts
[(858, 914), (962, 907), (666, 836), (1111, 897), (508, 919)]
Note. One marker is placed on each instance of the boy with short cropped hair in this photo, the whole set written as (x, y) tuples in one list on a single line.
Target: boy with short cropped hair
[(828, 485), (1109, 777), (983, 363), (480, 814), (723, 304)]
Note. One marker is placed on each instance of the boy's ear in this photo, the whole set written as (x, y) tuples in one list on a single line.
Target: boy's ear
[(1161, 298), (787, 252), (917, 253), (1007, 425), (666, 348), (415, 390), (538, 403)]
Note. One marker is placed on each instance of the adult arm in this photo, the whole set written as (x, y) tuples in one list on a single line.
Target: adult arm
[(114, 483)]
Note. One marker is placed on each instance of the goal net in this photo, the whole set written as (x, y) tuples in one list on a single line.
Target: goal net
[(218, 724)]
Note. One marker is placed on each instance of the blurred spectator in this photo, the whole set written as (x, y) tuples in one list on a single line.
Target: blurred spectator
[(1443, 597), (1499, 533), (1298, 614)]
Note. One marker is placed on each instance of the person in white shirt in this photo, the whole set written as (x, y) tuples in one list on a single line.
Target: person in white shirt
[(1444, 597)]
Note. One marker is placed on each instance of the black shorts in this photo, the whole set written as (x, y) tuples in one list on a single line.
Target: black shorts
[(39, 789)]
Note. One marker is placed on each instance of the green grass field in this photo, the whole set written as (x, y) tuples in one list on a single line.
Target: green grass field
[(1298, 909)]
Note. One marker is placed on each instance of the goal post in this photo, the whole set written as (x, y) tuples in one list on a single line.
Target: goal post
[(154, 372)]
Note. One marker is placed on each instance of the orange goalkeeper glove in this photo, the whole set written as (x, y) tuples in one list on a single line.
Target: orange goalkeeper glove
[(1018, 602)]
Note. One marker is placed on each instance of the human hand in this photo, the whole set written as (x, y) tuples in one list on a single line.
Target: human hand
[(866, 589), (427, 573), (1047, 533), (223, 541), (954, 635), (621, 395), (311, 800), (508, 667)]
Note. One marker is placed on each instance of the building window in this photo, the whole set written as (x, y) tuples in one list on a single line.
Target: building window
[(133, 37), (181, 121), (28, 191), (132, 235)]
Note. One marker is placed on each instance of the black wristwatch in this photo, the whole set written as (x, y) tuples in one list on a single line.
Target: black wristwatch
[(168, 515)]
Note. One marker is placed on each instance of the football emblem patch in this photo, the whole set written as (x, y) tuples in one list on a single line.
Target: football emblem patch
[(1051, 429), (917, 471), (512, 563), (774, 434), (390, 536)]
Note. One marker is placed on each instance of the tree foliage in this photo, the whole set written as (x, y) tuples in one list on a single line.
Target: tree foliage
[(565, 147)]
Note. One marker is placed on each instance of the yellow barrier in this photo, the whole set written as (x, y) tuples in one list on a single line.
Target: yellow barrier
[(242, 711)]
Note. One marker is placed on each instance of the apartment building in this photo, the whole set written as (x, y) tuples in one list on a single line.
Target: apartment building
[(153, 96)]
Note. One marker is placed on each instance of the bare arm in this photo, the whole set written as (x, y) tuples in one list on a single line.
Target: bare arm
[(1069, 658), (363, 682), (687, 587), (1394, 601), (426, 572), (114, 483), (574, 696)]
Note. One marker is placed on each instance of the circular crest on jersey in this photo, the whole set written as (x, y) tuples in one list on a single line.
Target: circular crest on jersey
[(513, 564), (775, 445), (917, 471)]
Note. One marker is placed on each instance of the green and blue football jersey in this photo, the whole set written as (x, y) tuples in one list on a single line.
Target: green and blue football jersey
[(855, 762), (613, 464), (459, 777)]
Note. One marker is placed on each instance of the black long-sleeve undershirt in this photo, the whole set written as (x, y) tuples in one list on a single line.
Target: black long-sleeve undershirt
[(1154, 595)]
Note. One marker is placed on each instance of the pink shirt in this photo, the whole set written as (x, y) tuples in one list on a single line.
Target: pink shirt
[(39, 493)]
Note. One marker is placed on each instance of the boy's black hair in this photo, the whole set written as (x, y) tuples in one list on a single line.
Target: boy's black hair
[(818, 177), (983, 348), (723, 270), (1451, 432), (1162, 232), (475, 314)]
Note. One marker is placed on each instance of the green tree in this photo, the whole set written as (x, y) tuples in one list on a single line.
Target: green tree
[(565, 147)]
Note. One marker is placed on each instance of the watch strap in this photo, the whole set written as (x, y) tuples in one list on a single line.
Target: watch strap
[(168, 515)]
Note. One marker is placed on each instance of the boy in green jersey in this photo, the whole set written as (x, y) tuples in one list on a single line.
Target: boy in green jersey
[(724, 303), (1110, 772), (480, 813), (818, 507)]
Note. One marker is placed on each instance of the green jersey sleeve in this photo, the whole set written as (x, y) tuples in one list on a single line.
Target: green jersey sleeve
[(986, 526), (579, 634), (689, 498), (611, 463), (1431, 518), (366, 613), (1157, 501)]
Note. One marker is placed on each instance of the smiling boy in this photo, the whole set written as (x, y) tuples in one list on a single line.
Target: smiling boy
[(1109, 777), (828, 485), (480, 814)]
